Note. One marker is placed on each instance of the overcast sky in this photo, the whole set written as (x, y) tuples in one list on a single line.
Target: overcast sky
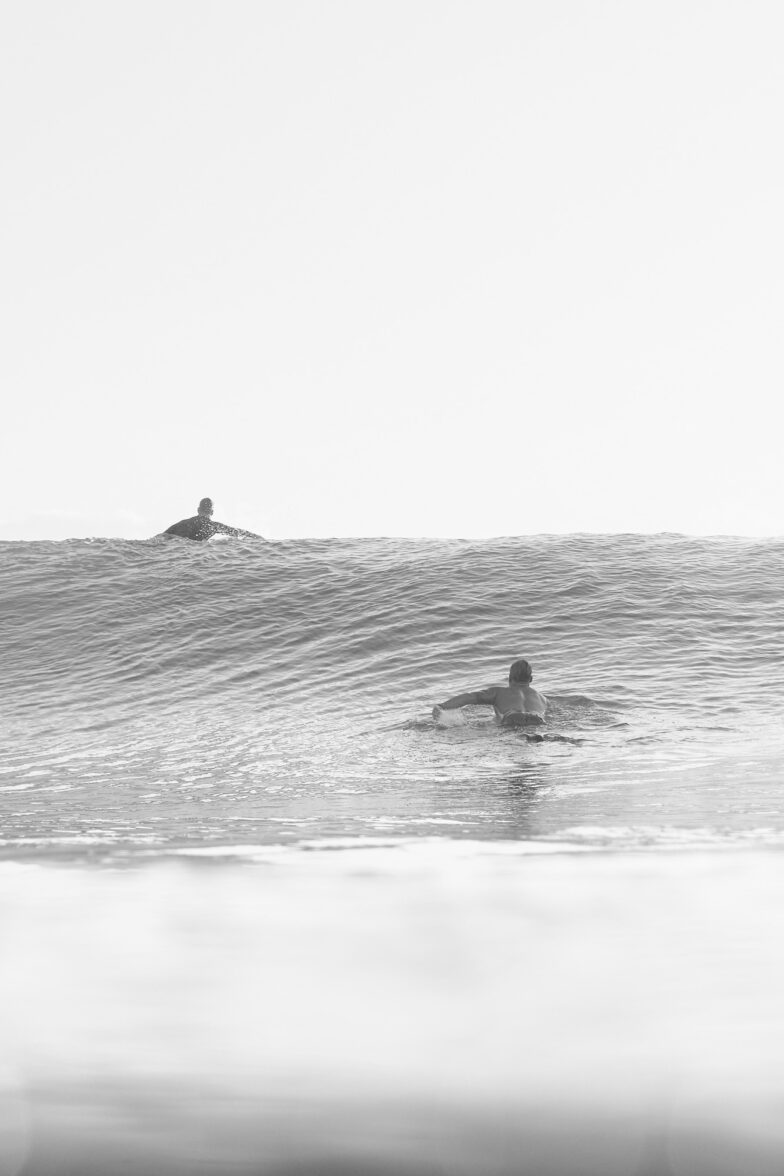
[(376, 268)]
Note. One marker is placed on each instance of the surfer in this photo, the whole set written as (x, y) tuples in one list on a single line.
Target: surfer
[(202, 526), (516, 705)]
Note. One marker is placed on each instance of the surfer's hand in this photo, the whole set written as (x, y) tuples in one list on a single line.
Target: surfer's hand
[(436, 713)]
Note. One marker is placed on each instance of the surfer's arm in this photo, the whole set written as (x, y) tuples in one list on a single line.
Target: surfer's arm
[(472, 698), (227, 530)]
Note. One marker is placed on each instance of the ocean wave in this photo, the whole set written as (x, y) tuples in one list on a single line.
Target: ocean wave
[(281, 673)]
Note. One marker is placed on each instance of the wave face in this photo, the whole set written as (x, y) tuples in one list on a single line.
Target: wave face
[(167, 696)]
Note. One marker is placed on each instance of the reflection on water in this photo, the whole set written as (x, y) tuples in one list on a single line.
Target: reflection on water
[(466, 782)]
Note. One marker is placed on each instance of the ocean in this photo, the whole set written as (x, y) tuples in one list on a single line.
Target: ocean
[(261, 913)]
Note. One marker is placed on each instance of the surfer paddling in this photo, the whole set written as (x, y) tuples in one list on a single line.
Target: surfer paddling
[(202, 526), (516, 705)]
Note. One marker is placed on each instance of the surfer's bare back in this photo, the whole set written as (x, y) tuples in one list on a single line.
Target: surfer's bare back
[(202, 526), (516, 705)]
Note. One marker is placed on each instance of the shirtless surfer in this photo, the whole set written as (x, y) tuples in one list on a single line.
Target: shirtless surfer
[(516, 705), (202, 526)]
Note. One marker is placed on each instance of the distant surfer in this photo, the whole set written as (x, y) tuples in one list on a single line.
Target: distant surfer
[(516, 705), (202, 526)]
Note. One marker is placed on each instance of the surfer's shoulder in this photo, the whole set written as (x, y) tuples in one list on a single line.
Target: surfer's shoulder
[(199, 528), (182, 528)]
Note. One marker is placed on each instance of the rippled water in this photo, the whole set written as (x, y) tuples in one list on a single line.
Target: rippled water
[(162, 695), (242, 868)]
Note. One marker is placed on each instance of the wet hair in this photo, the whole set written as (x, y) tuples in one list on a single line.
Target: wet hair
[(520, 671), (205, 505)]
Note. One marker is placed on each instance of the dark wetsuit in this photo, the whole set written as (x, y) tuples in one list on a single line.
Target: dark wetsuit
[(521, 719), (202, 527)]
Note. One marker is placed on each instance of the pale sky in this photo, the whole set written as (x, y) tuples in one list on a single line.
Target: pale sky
[(392, 268)]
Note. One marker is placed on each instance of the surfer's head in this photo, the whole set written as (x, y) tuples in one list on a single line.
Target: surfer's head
[(520, 672), (205, 506)]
